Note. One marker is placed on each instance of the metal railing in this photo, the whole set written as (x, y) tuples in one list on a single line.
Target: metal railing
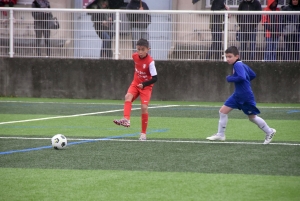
[(235, 3), (173, 35)]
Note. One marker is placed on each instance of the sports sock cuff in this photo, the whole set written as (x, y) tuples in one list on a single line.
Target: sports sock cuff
[(222, 115)]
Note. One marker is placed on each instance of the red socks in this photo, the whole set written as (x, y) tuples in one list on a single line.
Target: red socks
[(144, 122), (127, 109)]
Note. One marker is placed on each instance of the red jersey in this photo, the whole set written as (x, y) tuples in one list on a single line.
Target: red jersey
[(144, 69)]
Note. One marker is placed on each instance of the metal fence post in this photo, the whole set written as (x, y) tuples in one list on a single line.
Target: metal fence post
[(225, 35), (117, 36), (11, 33)]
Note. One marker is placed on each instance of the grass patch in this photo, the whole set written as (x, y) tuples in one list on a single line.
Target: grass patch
[(57, 184), (154, 170)]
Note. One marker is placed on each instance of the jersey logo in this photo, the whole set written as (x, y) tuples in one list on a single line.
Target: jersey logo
[(144, 66)]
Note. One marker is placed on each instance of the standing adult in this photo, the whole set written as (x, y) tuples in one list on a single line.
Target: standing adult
[(102, 24), (139, 22), (10, 3), (41, 25), (248, 27), (291, 32), (216, 26), (271, 25)]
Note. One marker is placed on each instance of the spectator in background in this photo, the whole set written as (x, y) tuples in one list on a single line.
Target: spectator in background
[(271, 25), (10, 3), (41, 25), (139, 22), (103, 25), (216, 26), (291, 31), (116, 4), (248, 27)]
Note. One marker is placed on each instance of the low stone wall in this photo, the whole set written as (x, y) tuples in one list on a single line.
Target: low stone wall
[(109, 79)]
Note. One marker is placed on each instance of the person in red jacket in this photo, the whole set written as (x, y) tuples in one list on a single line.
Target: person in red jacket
[(271, 26), (10, 3), (145, 76)]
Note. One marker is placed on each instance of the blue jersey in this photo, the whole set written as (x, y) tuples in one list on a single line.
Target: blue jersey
[(243, 97), (241, 76)]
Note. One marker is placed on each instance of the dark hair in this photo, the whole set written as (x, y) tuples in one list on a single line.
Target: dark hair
[(232, 50), (143, 42)]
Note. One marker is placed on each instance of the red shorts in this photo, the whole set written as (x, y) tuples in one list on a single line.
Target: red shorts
[(145, 93)]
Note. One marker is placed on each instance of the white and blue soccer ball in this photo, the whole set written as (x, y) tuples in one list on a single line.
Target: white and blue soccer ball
[(59, 141)]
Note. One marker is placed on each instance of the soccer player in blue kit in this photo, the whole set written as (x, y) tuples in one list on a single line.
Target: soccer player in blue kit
[(242, 98)]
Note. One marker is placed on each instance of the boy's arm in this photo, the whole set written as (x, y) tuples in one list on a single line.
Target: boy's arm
[(240, 74), (152, 81), (153, 73), (251, 74)]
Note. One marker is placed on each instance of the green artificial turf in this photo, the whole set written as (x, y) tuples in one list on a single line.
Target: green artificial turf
[(57, 184), (106, 162)]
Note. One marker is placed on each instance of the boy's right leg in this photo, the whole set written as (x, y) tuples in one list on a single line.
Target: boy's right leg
[(125, 121), (270, 132), (222, 124), (129, 97)]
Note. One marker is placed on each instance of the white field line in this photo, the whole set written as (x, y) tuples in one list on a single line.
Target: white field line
[(79, 115), (164, 141), (66, 103)]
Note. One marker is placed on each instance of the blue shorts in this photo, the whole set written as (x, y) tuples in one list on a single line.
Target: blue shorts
[(246, 103)]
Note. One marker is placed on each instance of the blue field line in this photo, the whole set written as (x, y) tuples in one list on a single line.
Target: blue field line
[(81, 142)]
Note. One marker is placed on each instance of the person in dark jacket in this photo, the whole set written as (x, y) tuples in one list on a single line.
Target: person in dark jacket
[(102, 24), (41, 25), (291, 32), (216, 26), (139, 22), (271, 25), (248, 27)]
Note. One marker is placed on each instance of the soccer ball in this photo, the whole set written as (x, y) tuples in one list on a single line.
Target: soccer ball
[(59, 141)]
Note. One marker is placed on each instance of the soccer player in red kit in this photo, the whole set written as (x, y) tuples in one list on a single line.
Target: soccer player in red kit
[(145, 76)]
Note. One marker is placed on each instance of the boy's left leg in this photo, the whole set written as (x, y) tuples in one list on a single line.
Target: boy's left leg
[(145, 95), (261, 123), (144, 118), (252, 111)]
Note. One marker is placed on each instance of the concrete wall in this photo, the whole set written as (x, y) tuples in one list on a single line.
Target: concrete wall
[(109, 79)]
